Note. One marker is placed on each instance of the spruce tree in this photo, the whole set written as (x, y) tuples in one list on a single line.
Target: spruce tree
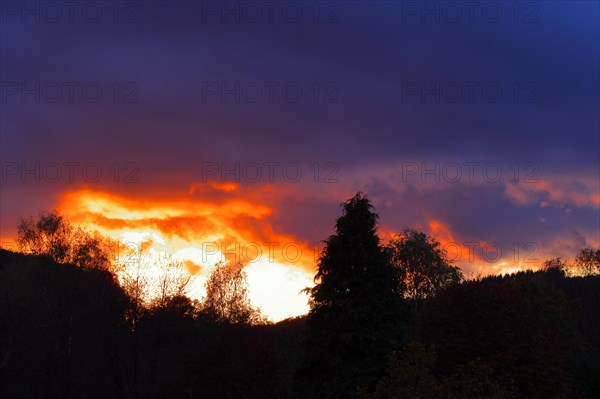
[(355, 310)]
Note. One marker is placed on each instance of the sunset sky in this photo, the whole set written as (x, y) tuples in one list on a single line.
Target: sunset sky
[(208, 132)]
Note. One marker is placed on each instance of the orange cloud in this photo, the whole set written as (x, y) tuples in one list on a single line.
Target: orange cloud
[(558, 193), (238, 228), (202, 226), (474, 257), (192, 267), (208, 187), (227, 187)]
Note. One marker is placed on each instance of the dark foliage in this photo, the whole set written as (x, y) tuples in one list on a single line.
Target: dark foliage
[(63, 328), (521, 325), (355, 308), (64, 334), (69, 330)]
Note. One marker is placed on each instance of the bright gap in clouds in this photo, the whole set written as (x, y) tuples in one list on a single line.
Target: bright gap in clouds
[(158, 231), (199, 233)]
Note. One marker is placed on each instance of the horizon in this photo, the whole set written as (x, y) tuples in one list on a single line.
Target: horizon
[(181, 128)]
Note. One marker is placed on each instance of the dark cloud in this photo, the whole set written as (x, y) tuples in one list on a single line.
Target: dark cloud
[(358, 66)]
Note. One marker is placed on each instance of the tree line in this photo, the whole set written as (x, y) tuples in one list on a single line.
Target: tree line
[(387, 321)]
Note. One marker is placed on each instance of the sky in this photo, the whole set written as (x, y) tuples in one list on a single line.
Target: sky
[(212, 130)]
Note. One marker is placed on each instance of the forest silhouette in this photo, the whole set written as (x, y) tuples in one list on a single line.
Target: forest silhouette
[(386, 321)]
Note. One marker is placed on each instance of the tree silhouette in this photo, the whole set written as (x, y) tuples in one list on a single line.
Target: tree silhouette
[(587, 261), (49, 235), (354, 310), (172, 280), (90, 250), (95, 331), (64, 324), (54, 236), (555, 264), (410, 375), (519, 324), (5, 333), (423, 266), (227, 298)]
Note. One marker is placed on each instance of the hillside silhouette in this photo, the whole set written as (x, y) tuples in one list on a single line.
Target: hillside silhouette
[(387, 321)]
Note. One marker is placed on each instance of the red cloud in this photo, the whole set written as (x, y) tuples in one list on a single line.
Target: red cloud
[(239, 227)]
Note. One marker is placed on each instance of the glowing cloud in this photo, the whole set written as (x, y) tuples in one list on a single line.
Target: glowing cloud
[(199, 233)]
